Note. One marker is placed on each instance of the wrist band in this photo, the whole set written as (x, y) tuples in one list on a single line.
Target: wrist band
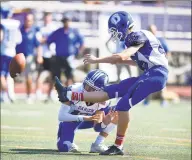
[(103, 126), (80, 118)]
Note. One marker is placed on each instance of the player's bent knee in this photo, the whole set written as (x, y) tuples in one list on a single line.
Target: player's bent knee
[(97, 127), (63, 146)]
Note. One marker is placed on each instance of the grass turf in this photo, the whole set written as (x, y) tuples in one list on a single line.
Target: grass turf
[(28, 132)]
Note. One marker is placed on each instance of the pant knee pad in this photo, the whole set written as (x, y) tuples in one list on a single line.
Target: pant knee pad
[(64, 146)]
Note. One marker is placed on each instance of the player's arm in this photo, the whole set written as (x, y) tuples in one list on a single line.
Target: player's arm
[(38, 49), (106, 121), (115, 58), (19, 37), (80, 41), (65, 116), (39, 54), (129, 62)]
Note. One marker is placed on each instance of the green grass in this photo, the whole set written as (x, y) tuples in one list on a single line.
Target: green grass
[(28, 132)]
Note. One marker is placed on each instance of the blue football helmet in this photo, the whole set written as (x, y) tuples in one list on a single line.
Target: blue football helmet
[(118, 25), (96, 79)]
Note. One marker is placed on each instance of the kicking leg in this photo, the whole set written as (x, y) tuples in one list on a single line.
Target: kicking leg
[(111, 91)]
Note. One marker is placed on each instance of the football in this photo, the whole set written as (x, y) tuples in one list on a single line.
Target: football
[(17, 65)]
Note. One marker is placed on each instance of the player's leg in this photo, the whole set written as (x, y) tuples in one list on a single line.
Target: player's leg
[(30, 67), (47, 67), (98, 146), (110, 92), (57, 67), (29, 86), (40, 68), (140, 90), (10, 88), (39, 83), (137, 93), (5, 60), (3, 87), (65, 136), (68, 72)]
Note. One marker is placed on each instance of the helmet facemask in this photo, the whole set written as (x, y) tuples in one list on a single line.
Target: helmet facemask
[(115, 35), (90, 83), (88, 87)]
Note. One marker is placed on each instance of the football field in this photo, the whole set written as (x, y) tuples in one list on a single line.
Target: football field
[(28, 132)]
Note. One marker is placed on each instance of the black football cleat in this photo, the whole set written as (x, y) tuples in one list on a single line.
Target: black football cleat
[(61, 90), (113, 150)]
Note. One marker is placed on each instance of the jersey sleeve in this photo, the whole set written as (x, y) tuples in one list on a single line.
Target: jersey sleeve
[(79, 37), (52, 37), (135, 39), (19, 36)]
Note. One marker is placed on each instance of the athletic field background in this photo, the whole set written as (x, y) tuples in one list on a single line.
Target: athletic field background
[(28, 132)]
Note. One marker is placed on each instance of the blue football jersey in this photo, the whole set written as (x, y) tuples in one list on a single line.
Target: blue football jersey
[(152, 52), (11, 38)]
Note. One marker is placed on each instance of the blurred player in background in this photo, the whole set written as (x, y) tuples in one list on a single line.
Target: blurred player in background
[(45, 31), (153, 29), (74, 115), (28, 46), (68, 42), (10, 37), (143, 50), (120, 46)]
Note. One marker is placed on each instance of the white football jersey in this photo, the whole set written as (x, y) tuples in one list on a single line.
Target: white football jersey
[(81, 108), (12, 36), (150, 54), (46, 32)]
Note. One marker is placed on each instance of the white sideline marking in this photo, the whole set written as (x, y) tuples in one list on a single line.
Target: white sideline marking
[(22, 128), (21, 113), (22, 147)]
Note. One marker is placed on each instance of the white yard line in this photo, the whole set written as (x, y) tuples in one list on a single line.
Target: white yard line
[(22, 128), (21, 113), (23, 147), (94, 133)]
